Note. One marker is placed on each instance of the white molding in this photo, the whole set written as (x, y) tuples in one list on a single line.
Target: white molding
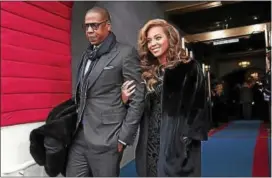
[(15, 143)]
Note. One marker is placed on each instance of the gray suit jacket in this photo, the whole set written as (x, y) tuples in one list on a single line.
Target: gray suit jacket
[(105, 118)]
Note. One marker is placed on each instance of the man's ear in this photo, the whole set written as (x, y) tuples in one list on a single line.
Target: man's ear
[(109, 26)]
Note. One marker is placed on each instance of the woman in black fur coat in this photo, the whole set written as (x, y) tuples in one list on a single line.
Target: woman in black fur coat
[(174, 121)]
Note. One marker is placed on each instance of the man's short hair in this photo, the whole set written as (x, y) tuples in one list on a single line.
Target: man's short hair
[(103, 11)]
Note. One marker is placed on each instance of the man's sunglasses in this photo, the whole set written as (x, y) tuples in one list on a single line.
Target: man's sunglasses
[(94, 26)]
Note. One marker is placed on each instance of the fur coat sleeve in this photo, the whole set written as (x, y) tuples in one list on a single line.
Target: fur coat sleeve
[(49, 143), (185, 98)]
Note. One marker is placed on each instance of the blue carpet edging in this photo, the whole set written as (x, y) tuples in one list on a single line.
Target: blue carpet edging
[(228, 153)]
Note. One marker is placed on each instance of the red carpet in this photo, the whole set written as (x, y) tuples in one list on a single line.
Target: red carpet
[(213, 131), (261, 157)]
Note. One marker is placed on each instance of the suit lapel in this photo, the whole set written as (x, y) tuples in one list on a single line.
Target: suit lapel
[(102, 62), (82, 63)]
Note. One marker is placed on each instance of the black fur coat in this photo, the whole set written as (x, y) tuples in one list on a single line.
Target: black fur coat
[(184, 114), (49, 143)]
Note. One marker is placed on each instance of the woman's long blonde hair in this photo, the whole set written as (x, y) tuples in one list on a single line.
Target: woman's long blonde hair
[(149, 63)]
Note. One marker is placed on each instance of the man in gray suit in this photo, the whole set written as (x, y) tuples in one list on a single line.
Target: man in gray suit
[(105, 125)]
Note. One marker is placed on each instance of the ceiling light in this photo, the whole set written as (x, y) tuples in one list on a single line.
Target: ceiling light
[(207, 67), (244, 64)]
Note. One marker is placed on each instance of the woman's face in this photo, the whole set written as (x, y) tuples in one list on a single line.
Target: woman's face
[(157, 42)]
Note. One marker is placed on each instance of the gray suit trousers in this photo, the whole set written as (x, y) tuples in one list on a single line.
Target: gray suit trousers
[(82, 162)]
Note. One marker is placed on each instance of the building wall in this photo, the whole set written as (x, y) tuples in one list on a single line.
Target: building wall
[(35, 73)]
